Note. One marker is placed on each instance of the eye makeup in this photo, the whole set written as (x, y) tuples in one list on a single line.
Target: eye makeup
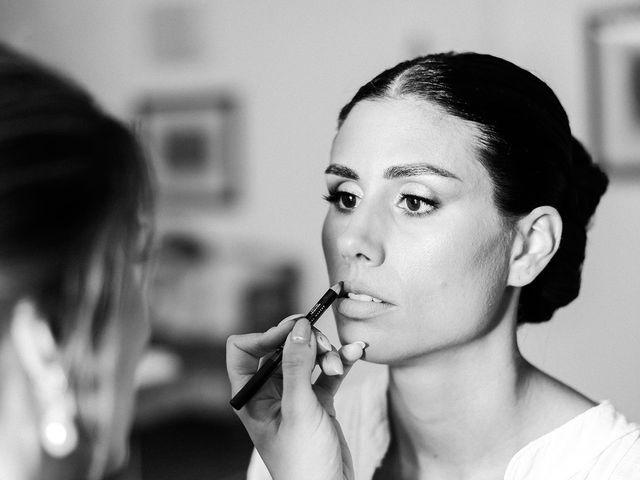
[(416, 199), (417, 206), (343, 196), (412, 204)]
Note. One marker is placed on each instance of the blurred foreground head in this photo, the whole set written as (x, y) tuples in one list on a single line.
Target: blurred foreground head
[(74, 200)]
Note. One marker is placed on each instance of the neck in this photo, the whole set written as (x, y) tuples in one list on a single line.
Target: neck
[(461, 409)]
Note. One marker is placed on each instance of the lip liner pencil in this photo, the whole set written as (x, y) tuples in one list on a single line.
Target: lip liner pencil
[(270, 364)]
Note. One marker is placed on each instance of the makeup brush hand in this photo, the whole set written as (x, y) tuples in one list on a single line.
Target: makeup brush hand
[(290, 420)]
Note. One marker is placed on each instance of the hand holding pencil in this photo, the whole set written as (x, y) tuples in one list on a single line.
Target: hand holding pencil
[(290, 420)]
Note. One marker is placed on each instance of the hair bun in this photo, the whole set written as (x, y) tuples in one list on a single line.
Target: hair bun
[(559, 283), (587, 184)]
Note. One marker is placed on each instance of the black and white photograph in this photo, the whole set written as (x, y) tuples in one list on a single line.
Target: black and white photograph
[(614, 40), (335, 240), (193, 142)]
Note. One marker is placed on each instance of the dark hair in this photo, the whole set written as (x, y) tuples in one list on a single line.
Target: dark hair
[(525, 144), (71, 177), (73, 185)]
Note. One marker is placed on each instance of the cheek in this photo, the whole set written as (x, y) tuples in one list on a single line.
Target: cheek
[(325, 235), (454, 278), (329, 243), (132, 337), (426, 271), (134, 327)]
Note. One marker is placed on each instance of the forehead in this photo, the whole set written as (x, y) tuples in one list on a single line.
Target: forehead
[(385, 132)]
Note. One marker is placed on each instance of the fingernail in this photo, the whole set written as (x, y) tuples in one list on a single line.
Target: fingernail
[(353, 351), (333, 365), (323, 341), (289, 319), (301, 332)]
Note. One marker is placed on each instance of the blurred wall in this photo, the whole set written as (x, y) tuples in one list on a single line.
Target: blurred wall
[(294, 64)]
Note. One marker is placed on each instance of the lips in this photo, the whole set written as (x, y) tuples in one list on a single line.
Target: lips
[(360, 292), (363, 297), (360, 302)]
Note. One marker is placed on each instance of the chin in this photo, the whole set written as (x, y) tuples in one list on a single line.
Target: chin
[(351, 330), (389, 345), (379, 348)]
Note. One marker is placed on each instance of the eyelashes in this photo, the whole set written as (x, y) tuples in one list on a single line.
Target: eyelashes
[(417, 206), (411, 205), (331, 196), (343, 201)]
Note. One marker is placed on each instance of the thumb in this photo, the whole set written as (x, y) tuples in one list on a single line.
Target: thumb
[(298, 362)]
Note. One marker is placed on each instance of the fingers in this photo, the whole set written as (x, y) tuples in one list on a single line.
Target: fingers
[(349, 354), (298, 362), (244, 351), (328, 357), (331, 364), (324, 345)]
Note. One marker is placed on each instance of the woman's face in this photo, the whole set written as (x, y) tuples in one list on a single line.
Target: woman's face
[(412, 231)]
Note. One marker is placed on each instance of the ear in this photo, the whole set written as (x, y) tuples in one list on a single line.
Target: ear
[(536, 241), (40, 359)]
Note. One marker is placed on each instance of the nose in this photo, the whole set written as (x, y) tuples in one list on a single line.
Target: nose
[(361, 239)]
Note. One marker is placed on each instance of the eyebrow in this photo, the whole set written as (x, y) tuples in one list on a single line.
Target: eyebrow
[(342, 171), (415, 169), (397, 171)]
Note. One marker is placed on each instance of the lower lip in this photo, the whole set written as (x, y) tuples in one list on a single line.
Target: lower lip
[(359, 310)]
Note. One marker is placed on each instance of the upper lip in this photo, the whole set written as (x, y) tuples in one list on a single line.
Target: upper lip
[(356, 287)]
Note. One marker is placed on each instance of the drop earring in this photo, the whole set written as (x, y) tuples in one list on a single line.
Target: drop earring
[(36, 348), (58, 432)]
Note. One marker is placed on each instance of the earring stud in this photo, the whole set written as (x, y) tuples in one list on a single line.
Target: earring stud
[(58, 433)]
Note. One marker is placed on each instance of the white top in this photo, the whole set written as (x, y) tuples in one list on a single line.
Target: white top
[(599, 444)]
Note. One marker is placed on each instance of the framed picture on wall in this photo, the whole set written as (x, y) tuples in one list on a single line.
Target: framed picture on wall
[(614, 76), (193, 142)]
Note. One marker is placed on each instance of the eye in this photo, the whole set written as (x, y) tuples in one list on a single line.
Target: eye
[(416, 206), (343, 200)]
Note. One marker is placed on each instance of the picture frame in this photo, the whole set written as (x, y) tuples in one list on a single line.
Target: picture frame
[(192, 139), (613, 46)]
